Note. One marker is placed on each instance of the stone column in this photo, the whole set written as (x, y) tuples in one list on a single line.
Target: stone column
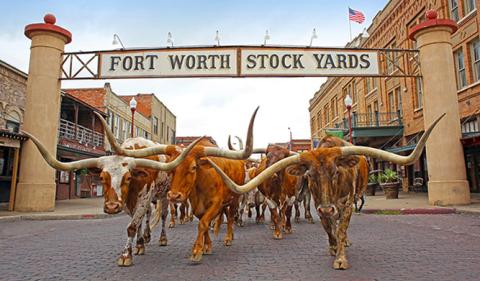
[(36, 187), (446, 165)]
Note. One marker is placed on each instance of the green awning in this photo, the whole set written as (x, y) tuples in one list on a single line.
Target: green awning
[(334, 133), (401, 148)]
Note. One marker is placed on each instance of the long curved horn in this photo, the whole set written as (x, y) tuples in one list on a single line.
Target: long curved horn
[(392, 157), (256, 181), (147, 163), (240, 142), (54, 163), (230, 146), (240, 154), (111, 138)]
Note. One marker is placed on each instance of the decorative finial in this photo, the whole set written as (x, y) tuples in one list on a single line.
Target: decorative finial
[(431, 15), (50, 19)]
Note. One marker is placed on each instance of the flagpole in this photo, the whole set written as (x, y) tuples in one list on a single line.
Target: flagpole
[(350, 24)]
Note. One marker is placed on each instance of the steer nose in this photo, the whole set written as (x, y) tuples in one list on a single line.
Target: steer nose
[(112, 208), (174, 196), (326, 211)]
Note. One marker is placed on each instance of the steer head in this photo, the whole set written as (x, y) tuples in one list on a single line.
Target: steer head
[(330, 178)]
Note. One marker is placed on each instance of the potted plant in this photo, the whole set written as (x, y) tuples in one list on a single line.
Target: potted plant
[(389, 181), (372, 184)]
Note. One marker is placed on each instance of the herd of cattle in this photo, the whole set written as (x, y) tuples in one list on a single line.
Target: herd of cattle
[(215, 182)]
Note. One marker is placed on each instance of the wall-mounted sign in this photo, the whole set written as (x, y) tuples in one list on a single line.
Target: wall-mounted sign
[(237, 62)]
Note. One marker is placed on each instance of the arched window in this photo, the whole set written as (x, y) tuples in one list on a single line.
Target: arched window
[(13, 121)]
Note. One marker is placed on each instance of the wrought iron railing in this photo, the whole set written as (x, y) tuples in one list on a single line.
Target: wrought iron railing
[(70, 130), (374, 119)]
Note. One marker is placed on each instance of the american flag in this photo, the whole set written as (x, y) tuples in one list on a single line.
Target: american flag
[(356, 16)]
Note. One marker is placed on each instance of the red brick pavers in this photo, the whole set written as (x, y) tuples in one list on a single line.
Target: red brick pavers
[(413, 247)]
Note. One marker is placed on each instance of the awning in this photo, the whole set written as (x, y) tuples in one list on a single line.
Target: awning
[(401, 148)]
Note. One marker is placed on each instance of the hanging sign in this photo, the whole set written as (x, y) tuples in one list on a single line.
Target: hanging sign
[(237, 62)]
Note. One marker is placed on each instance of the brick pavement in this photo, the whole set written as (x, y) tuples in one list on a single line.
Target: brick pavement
[(416, 247)]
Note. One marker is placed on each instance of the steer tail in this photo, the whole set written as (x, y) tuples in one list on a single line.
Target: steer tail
[(157, 215)]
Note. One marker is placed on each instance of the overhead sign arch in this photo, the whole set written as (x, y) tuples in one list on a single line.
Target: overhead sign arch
[(238, 61)]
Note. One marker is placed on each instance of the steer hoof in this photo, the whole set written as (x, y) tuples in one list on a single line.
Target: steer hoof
[(147, 237), (297, 220), (196, 257), (139, 250), (171, 225), (288, 230), (310, 220), (162, 241), (124, 260), (340, 263), (348, 243), (207, 250), (277, 236), (227, 242)]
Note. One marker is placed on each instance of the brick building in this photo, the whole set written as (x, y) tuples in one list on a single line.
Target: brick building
[(162, 120), (187, 140), (119, 116), (388, 112)]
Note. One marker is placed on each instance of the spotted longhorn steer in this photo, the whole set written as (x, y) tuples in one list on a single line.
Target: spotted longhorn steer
[(129, 183), (330, 172)]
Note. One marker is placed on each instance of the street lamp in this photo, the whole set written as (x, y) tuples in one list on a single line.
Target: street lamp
[(133, 107), (217, 38), (290, 143), (116, 40), (314, 36), (266, 37), (169, 40), (348, 104)]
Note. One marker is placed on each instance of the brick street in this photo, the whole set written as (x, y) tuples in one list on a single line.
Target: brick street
[(415, 247)]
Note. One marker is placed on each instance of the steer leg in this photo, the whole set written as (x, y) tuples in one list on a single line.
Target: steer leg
[(277, 234), (232, 209), (297, 212), (183, 213), (140, 246), (328, 226), (163, 202), (146, 233), (203, 227), (306, 205), (173, 215), (288, 215), (341, 261)]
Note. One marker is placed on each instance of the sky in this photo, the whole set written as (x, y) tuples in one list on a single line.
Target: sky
[(208, 106)]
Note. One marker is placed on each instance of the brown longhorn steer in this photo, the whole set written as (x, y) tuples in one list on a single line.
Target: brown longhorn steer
[(279, 190), (360, 170), (129, 184), (194, 179), (332, 183)]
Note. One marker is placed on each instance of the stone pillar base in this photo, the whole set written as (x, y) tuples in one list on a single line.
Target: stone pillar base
[(445, 193), (35, 197)]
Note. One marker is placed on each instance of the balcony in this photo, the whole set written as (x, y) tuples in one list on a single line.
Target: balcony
[(376, 124), (70, 131)]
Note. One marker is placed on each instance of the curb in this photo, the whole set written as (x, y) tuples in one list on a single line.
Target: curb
[(57, 217), (410, 211)]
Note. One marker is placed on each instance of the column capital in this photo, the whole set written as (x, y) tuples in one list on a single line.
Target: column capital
[(48, 26), (432, 21)]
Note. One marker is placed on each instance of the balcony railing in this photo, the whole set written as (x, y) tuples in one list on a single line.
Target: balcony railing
[(82, 134), (372, 120)]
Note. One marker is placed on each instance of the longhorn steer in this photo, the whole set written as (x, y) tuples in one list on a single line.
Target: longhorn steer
[(194, 179), (128, 183), (332, 183)]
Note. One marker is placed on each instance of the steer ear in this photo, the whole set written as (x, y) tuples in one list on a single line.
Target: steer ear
[(347, 161), (203, 162), (139, 173), (297, 170)]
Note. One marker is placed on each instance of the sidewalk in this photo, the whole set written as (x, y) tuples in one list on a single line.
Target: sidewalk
[(87, 208), (408, 203), (415, 203)]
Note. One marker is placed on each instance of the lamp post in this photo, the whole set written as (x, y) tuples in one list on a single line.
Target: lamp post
[(116, 40), (290, 143), (348, 104), (133, 107)]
